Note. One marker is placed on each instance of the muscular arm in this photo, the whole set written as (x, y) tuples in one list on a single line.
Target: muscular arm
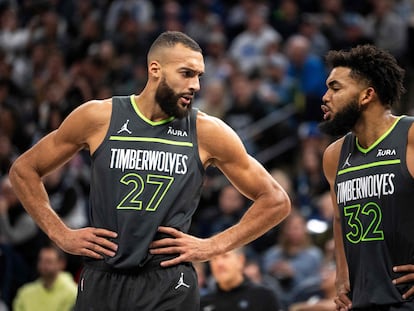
[(270, 202), (80, 130), (330, 164), (221, 147)]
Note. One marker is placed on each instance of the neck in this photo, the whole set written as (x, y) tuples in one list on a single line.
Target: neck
[(372, 126), (148, 107), (49, 281)]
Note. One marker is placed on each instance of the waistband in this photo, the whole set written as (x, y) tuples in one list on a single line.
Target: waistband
[(101, 265)]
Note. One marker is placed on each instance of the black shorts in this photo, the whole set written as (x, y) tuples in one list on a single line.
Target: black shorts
[(153, 289)]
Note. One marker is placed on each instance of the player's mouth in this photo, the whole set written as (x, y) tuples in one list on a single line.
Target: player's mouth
[(326, 112), (186, 99)]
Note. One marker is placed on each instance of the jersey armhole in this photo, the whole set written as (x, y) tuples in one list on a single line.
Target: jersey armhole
[(106, 138), (194, 138)]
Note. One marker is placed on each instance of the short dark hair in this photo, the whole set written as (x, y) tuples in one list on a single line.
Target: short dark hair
[(171, 38), (61, 255), (375, 66)]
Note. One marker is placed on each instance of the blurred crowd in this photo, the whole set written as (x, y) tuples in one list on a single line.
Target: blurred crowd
[(265, 76)]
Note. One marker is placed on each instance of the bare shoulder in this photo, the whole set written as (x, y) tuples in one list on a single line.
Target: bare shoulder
[(205, 119), (411, 135), (334, 148), (88, 123), (217, 140), (410, 149), (95, 111), (331, 158)]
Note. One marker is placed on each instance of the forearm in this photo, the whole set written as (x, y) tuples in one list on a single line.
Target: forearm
[(31, 192), (264, 214), (341, 264)]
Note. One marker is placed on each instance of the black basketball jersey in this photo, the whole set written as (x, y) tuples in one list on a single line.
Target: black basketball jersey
[(144, 174), (375, 195)]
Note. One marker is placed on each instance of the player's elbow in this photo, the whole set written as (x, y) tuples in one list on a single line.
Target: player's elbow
[(282, 205), (285, 204), (17, 172)]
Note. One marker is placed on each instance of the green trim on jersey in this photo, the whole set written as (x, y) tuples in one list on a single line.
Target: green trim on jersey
[(153, 123), (152, 140), (366, 150), (373, 164)]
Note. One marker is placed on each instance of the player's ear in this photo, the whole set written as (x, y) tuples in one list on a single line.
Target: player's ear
[(154, 69), (367, 95)]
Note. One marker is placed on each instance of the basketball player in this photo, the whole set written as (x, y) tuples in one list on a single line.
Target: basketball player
[(370, 171), (149, 153)]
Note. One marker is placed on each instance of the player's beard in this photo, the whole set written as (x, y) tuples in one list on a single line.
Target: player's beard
[(168, 101), (343, 121)]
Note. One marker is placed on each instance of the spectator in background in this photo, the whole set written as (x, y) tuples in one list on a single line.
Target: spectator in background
[(216, 99), (294, 259), (29, 68), (202, 278), (170, 16), (50, 89), (14, 39), (254, 271), (321, 225), (219, 66), (334, 19), (323, 299), (248, 48), (77, 11), (237, 15), (230, 208), (55, 289), (276, 89), (66, 197), (354, 31), (284, 177), (310, 28), (51, 29), (234, 290), (89, 33), (19, 243), (140, 11), (201, 22), (130, 40), (7, 154), (12, 125), (308, 70), (309, 181), (245, 109), (285, 17), (17, 228), (386, 28)]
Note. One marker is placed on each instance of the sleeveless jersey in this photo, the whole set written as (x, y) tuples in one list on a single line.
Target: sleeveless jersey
[(375, 196), (144, 174)]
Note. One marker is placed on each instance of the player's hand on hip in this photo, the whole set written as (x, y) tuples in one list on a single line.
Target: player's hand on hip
[(407, 278), (187, 247), (342, 301), (91, 242)]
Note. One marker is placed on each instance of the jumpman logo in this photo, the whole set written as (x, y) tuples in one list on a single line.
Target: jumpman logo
[(124, 128), (181, 282), (346, 163)]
